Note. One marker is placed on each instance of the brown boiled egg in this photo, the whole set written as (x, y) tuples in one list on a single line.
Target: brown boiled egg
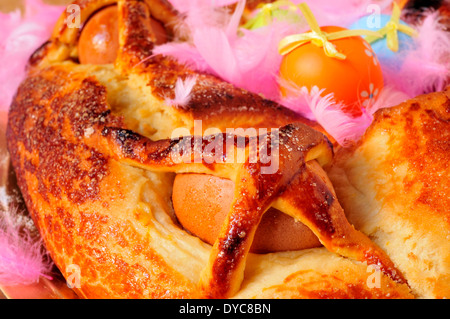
[(202, 202)]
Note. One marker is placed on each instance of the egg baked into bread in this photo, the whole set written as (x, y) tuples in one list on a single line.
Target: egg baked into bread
[(94, 150)]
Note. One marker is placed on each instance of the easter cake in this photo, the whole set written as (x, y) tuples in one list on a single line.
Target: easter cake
[(261, 152)]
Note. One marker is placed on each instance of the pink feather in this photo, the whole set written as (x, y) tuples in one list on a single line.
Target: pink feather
[(343, 127), (184, 6), (23, 259), (197, 14), (388, 97), (184, 53), (20, 36), (183, 90), (247, 59), (340, 125), (201, 14), (426, 67)]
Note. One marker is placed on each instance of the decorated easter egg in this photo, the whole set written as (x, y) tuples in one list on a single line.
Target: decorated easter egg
[(355, 81), (380, 47)]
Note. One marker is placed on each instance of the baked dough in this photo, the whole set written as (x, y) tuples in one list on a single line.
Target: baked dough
[(394, 185), (90, 145)]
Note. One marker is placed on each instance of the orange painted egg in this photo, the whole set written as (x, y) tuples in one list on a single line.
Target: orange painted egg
[(355, 81)]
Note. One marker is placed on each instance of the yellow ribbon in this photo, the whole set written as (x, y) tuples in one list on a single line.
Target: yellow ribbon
[(266, 13), (319, 38), (391, 28)]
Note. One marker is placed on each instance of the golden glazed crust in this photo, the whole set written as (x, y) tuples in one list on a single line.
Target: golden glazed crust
[(394, 185), (90, 146)]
